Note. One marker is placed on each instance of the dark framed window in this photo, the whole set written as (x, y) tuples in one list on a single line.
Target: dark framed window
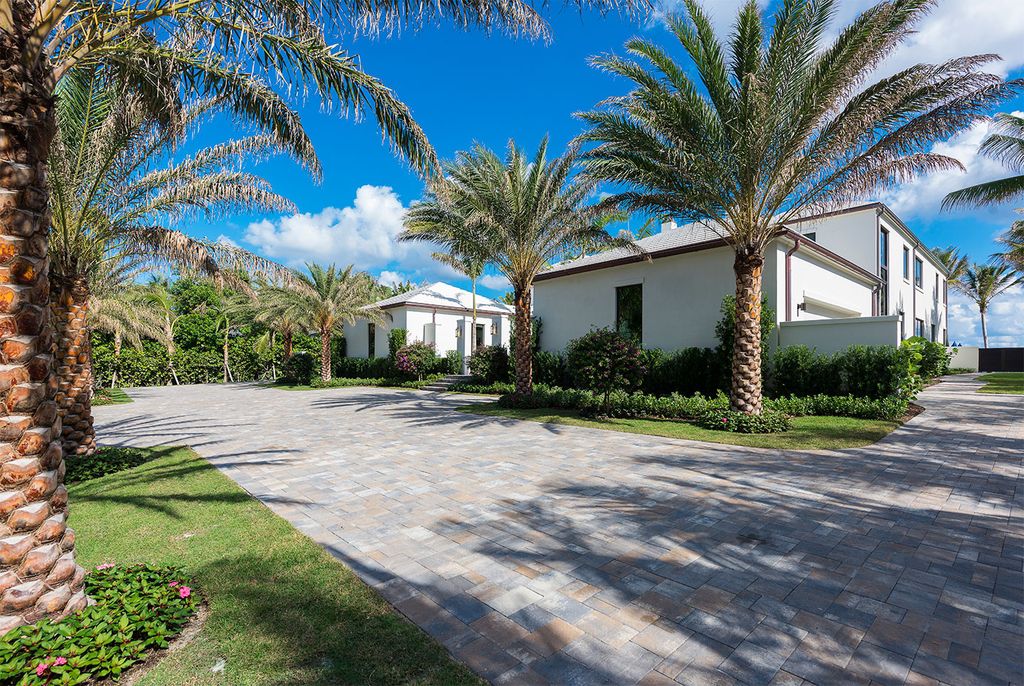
[(918, 272), (936, 289), (813, 235), (371, 340), (629, 311), (933, 339), (883, 271), (919, 328), (906, 263)]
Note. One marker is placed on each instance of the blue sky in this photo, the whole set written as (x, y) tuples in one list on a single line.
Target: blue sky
[(465, 86)]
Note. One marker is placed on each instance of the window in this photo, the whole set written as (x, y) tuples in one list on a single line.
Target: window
[(883, 271), (934, 333), (371, 340), (629, 311), (813, 235), (936, 290), (903, 326), (918, 272), (906, 263), (919, 328)]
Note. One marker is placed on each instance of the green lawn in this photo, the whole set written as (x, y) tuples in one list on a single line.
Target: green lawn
[(282, 610), (807, 432), (110, 396), (1002, 382)]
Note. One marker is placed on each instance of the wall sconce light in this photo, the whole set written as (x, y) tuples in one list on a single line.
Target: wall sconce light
[(494, 328), (458, 332)]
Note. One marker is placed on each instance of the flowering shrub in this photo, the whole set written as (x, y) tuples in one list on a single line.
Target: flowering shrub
[(416, 359), (489, 364), (768, 422), (605, 361), (137, 609)]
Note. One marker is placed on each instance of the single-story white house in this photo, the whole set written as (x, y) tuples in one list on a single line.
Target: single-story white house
[(441, 314), (857, 276)]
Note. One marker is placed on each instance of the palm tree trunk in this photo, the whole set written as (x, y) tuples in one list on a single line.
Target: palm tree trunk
[(74, 367), (227, 370), (287, 344), (169, 332), (37, 551), (984, 329), (523, 343), (117, 358), (325, 355), (746, 353)]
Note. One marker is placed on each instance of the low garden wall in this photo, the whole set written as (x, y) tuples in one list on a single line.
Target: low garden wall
[(833, 335)]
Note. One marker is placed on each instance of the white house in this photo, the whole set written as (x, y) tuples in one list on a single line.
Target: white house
[(834, 280), (441, 314)]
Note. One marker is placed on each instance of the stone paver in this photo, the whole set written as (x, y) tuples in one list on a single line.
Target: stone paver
[(545, 554)]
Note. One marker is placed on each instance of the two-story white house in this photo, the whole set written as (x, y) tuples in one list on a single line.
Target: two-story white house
[(834, 280)]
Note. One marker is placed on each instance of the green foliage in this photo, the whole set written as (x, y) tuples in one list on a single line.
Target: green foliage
[(892, 408), (686, 371), (396, 339), (496, 388), (768, 422), (453, 358), (489, 364), (416, 359), (299, 368), (104, 461), (550, 369), (137, 609), (382, 382), (605, 361), (110, 396), (935, 357), (364, 367), (864, 371), (146, 366)]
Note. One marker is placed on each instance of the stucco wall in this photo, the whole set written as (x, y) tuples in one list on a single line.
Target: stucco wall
[(822, 291), (965, 357), (851, 235), (416, 321), (833, 335)]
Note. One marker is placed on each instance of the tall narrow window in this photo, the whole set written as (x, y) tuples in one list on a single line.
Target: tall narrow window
[(919, 328), (936, 289), (883, 271), (906, 263), (932, 339), (371, 340), (629, 311), (918, 272)]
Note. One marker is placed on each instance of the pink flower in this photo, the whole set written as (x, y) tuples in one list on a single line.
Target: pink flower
[(173, 584), (41, 668), (725, 419), (60, 661), (105, 565), (184, 592)]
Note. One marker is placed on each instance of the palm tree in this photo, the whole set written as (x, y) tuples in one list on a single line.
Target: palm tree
[(984, 283), (113, 189), (1013, 239), (465, 262), (233, 48), (518, 214), (1005, 145), (955, 263), (773, 124), (159, 296), (324, 300)]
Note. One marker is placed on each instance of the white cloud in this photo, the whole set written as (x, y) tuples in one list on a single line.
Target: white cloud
[(924, 195), (495, 282), (390, 278), (227, 240), (1004, 320)]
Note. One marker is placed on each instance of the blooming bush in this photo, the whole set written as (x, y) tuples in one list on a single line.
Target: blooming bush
[(605, 361), (489, 364), (416, 359), (768, 422), (137, 609)]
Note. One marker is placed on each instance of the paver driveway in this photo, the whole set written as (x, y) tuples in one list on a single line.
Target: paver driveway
[(543, 554)]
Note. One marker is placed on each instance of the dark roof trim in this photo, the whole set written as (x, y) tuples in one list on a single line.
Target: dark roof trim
[(705, 245)]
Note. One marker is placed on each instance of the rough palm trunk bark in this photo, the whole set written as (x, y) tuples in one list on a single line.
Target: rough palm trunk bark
[(70, 307), (38, 574), (746, 353), (169, 334), (523, 343), (325, 355), (984, 329), (117, 358), (287, 344)]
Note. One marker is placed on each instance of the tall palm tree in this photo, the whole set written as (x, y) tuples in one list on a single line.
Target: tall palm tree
[(1006, 145), (158, 295), (465, 262), (519, 214), (775, 122), (1013, 239), (324, 300), (113, 191), (982, 283), (234, 48), (955, 263)]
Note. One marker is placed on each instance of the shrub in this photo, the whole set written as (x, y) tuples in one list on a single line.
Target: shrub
[(416, 359), (298, 369), (892, 408), (390, 382), (364, 367), (496, 388), (489, 363), (686, 371), (725, 332), (396, 339), (453, 362), (104, 461), (768, 422), (935, 357), (605, 361), (863, 371), (137, 610), (550, 369)]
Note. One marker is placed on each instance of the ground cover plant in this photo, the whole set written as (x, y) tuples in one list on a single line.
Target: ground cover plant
[(110, 396)]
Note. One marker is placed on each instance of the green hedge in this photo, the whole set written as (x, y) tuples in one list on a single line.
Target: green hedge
[(768, 422), (863, 371)]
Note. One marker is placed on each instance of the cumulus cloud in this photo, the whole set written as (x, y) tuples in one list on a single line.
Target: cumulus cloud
[(495, 282), (1005, 320)]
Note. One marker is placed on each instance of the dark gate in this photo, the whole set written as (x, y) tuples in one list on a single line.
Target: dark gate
[(1001, 360)]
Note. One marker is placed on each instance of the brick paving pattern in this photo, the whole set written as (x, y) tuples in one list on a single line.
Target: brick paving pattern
[(560, 555)]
